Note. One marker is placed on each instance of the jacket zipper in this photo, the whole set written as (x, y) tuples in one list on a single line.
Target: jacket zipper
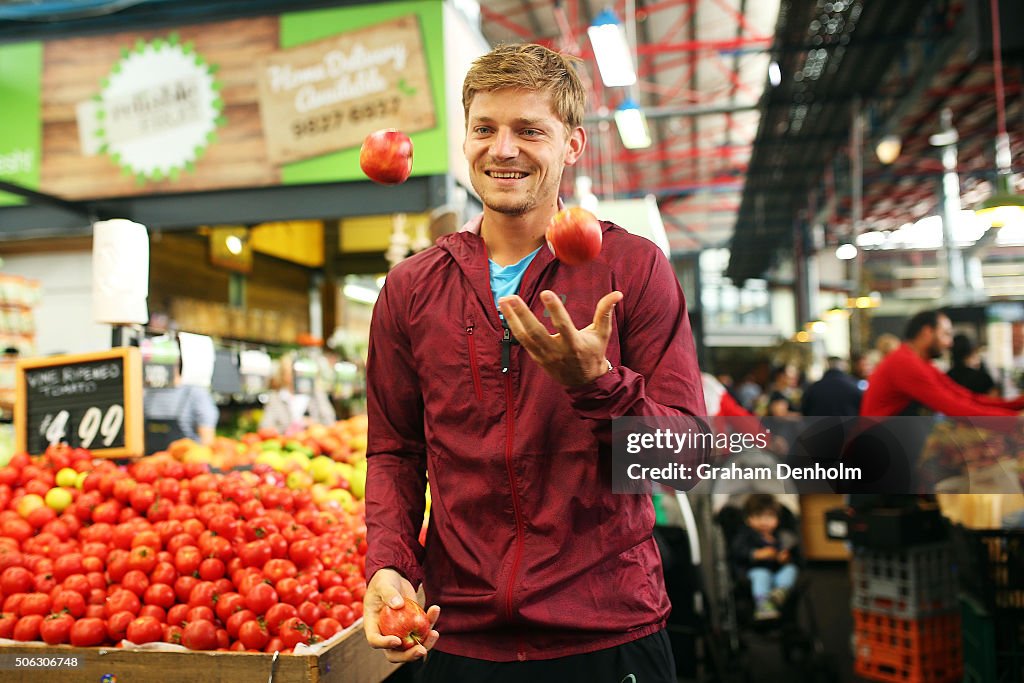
[(506, 356), (477, 387)]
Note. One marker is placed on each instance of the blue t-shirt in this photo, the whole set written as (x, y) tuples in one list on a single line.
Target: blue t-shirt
[(505, 280)]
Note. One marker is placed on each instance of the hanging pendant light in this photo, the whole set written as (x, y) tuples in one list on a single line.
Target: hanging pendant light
[(1004, 201)]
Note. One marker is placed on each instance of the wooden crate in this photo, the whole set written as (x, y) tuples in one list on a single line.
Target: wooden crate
[(816, 544), (350, 660)]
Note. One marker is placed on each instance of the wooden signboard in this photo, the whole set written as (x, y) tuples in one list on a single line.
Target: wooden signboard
[(329, 95), (89, 400)]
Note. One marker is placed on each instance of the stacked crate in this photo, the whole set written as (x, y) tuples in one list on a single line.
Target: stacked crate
[(906, 615), (992, 603)]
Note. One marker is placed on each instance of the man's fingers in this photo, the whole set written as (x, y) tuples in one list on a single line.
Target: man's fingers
[(603, 313), (431, 639), (529, 331), (376, 640), (402, 656), (433, 612)]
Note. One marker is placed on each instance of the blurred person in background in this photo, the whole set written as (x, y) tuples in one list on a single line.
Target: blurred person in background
[(906, 382), (748, 392), (288, 410), (862, 364), (886, 344), (783, 394), (181, 411), (967, 369), (836, 393)]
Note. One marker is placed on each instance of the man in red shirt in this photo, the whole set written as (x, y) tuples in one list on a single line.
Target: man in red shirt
[(906, 382), (907, 387)]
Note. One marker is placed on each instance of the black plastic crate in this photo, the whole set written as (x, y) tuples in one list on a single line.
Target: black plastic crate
[(993, 645), (991, 567)]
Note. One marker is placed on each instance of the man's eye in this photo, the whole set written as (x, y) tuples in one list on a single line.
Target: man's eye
[(530, 132), (481, 130)]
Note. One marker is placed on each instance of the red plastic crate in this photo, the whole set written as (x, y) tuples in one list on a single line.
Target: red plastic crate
[(894, 650)]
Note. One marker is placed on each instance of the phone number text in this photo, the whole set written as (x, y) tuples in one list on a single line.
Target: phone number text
[(332, 120)]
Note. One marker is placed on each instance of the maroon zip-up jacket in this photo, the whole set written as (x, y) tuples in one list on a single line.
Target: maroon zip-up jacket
[(529, 553)]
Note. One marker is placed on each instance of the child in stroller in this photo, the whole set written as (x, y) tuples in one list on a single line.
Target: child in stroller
[(766, 554)]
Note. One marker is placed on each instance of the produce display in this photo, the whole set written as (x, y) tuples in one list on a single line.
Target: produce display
[(328, 460), (93, 553)]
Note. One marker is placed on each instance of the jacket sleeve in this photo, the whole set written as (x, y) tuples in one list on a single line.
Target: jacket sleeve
[(396, 447), (658, 374)]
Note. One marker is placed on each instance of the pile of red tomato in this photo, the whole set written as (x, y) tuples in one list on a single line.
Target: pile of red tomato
[(165, 551)]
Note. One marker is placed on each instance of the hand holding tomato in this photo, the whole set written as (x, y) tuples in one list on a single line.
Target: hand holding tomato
[(571, 357), (389, 590)]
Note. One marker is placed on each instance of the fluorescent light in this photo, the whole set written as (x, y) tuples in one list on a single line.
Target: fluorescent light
[(233, 244), (845, 252), (361, 294), (632, 125), (774, 74), (614, 58)]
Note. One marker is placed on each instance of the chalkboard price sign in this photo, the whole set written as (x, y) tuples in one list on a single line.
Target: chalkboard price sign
[(91, 400)]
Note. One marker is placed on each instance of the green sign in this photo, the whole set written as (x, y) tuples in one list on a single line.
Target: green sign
[(21, 72)]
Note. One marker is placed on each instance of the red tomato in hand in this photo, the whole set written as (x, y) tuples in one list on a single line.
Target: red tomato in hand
[(409, 622)]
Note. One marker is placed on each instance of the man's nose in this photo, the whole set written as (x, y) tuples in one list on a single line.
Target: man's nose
[(504, 145)]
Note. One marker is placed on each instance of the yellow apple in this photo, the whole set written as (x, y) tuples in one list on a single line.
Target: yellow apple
[(67, 476), (58, 498)]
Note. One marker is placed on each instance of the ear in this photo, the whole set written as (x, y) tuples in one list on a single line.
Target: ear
[(576, 143)]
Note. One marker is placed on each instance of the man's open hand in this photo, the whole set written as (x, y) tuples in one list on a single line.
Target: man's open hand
[(571, 357)]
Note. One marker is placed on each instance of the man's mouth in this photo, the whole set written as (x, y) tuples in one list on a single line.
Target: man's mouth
[(507, 175)]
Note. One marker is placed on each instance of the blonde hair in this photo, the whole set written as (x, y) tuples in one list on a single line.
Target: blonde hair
[(529, 67)]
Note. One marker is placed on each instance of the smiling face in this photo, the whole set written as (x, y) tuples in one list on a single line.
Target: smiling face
[(517, 148)]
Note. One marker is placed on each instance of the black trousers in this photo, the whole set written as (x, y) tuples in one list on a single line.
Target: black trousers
[(647, 660)]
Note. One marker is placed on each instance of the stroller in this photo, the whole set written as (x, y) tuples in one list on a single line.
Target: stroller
[(712, 515)]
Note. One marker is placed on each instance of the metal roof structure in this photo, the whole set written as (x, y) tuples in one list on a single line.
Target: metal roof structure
[(702, 68), (736, 160)]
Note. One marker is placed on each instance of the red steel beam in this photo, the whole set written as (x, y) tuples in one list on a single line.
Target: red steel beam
[(711, 183), (503, 21), (724, 45), (737, 15), (679, 207), (724, 152)]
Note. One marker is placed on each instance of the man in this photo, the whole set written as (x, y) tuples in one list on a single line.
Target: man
[(180, 411), (538, 571), (907, 383), (835, 394)]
